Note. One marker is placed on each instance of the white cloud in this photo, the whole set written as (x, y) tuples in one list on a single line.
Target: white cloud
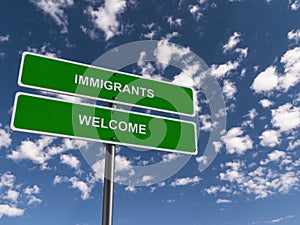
[(295, 4), (12, 195), (231, 45), (152, 30), (296, 163), (286, 117), (277, 220), (130, 188), (98, 168), (294, 35), (55, 9), (7, 180), (165, 51), (223, 201), (250, 183), (147, 178), (219, 71), (243, 72), (150, 35), (81, 186), (288, 181), (215, 189), (233, 174), (123, 168), (273, 157), (235, 142), (255, 68), (91, 33), (243, 52), (10, 211), (5, 139), (270, 80), (122, 163), (266, 81), (169, 157), (71, 161), (202, 159), (42, 150), (186, 76), (260, 182), (33, 200), (174, 22), (161, 184), (206, 124), (169, 36), (147, 68), (170, 201), (293, 145), (4, 38), (232, 42), (105, 18), (296, 98), (229, 89), (149, 25), (270, 138), (276, 155), (58, 179), (152, 189), (33, 151), (66, 145), (217, 146), (252, 113), (266, 103), (192, 69), (291, 62), (195, 10), (186, 181), (45, 49), (74, 144), (32, 190)]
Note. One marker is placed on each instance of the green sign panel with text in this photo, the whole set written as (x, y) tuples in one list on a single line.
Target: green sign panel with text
[(44, 115), (73, 78)]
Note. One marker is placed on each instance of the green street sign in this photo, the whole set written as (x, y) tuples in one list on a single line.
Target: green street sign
[(50, 116), (67, 77)]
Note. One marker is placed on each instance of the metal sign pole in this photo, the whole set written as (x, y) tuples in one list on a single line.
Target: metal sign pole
[(108, 185)]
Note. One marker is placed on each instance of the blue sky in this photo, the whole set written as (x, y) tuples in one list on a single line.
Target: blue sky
[(250, 48)]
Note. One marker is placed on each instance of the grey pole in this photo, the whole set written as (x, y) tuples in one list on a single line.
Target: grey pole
[(108, 186)]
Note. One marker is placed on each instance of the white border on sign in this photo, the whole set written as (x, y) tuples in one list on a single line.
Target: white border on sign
[(98, 98), (98, 140)]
